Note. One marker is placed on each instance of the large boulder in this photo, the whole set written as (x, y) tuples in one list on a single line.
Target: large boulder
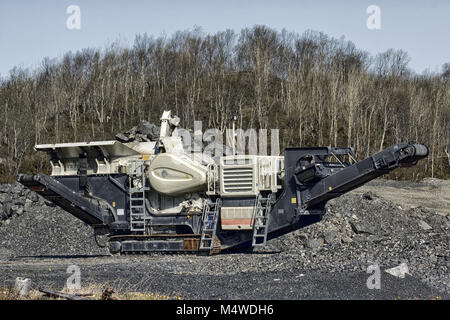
[(144, 131), (148, 129)]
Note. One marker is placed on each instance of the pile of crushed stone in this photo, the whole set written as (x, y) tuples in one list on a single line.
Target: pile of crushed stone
[(359, 230), (33, 226)]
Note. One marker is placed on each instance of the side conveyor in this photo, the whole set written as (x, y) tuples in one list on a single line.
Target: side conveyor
[(361, 172)]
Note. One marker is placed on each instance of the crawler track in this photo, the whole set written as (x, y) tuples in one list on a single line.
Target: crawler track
[(167, 243)]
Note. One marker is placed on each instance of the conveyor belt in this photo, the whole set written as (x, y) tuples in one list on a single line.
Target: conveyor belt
[(361, 172), (51, 189)]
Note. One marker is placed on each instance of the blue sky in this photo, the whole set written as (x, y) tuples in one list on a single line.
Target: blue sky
[(32, 30)]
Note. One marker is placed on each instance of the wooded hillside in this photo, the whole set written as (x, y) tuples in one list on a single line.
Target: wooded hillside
[(317, 90)]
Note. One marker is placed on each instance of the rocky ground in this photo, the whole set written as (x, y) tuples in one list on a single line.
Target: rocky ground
[(32, 226), (364, 228), (385, 223)]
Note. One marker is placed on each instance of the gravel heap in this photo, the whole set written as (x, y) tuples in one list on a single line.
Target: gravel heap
[(33, 226), (358, 230)]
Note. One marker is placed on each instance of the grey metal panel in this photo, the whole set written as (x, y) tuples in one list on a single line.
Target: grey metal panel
[(72, 150)]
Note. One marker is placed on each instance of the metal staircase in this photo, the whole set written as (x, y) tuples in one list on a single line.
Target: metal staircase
[(261, 219), (210, 217), (137, 187)]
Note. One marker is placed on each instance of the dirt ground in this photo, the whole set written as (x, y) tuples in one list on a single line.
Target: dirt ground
[(432, 194)]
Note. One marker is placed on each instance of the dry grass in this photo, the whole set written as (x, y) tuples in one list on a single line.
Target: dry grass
[(92, 291)]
